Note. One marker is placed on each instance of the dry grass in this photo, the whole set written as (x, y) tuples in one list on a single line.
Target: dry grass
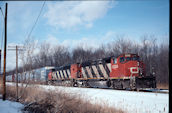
[(1, 84), (162, 86), (39, 101)]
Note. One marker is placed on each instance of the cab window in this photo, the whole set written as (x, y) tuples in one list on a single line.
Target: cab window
[(115, 60), (136, 58), (128, 58), (122, 59)]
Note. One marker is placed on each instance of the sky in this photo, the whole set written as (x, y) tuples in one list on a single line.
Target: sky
[(86, 23)]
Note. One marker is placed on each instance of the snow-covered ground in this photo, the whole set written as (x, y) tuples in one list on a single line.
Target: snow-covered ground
[(129, 101), (10, 107), (132, 102)]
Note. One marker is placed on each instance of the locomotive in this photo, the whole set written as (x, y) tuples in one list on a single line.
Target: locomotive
[(126, 71)]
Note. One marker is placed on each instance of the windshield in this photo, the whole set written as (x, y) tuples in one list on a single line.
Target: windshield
[(136, 58), (125, 59), (129, 59)]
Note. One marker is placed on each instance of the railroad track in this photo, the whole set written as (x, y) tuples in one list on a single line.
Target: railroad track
[(151, 90), (141, 90), (154, 90)]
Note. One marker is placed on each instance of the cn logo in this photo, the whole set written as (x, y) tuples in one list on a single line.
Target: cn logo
[(134, 70)]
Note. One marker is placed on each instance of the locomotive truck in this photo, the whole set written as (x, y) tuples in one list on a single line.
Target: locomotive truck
[(126, 71)]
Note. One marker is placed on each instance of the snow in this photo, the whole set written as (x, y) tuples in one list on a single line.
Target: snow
[(129, 101), (10, 107), (158, 90)]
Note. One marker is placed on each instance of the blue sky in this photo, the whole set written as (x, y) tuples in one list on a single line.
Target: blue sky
[(89, 23)]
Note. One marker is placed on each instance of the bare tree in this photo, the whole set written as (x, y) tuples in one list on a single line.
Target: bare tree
[(79, 54), (100, 52), (61, 56), (44, 52), (27, 55), (119, 46), (154, 55)]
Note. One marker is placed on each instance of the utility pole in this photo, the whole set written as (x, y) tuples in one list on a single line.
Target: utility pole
[(5, 45), (16, 48)]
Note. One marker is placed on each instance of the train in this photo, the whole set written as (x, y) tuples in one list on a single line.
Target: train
[(125, 71), (39, 75)]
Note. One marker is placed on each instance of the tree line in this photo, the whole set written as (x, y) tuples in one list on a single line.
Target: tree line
[(154, 55)]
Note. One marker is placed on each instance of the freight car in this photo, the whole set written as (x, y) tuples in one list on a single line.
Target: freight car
[(122, 72), (39, 75)]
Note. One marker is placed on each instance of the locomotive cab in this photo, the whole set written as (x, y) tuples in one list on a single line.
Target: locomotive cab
[(129, 69), (126, 65)]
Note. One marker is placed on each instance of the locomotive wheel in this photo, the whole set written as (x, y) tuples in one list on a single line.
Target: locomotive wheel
[(49, 83), (133, 83), (117, 84), (75, 84), (85, 84), (133, 87), (108, 83), (155, 86)]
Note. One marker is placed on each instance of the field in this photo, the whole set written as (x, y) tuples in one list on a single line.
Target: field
[(39, 100), (128, 101), (101, 100), (162, 86)]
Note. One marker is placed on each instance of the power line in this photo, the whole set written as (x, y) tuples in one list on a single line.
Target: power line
[(2, 12), (1, 3), (36, 19)]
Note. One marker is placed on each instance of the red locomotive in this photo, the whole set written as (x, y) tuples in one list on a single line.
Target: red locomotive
[(124, 71)]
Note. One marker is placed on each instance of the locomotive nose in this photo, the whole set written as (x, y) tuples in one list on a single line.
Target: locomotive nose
[(134, 70), (137, 69)]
